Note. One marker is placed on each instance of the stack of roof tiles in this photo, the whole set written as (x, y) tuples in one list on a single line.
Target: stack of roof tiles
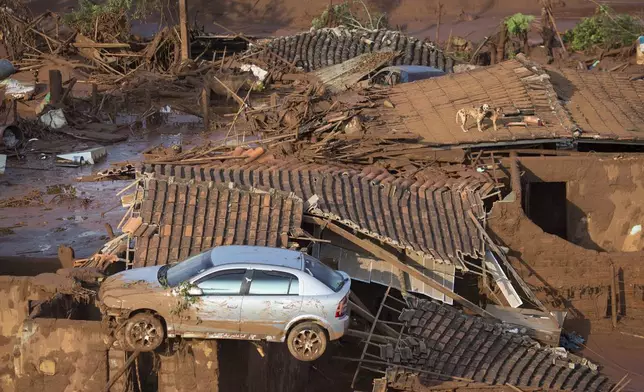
[(427, 215)]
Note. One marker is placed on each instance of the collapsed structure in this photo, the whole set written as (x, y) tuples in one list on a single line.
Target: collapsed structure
[(385, 185), (320, 48)]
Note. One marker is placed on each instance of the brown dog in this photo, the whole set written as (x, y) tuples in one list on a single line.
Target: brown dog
[(478, 113)]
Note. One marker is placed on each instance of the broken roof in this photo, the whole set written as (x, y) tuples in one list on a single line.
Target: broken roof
[(316, 49), (183, 219), (427, 215), (604, 105), (428, 108)]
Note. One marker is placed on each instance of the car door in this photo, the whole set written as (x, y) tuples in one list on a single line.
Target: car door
[(217, 304), (272, 300)]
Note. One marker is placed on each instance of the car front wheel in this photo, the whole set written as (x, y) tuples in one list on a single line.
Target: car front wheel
[(144, 332), (307, 341)]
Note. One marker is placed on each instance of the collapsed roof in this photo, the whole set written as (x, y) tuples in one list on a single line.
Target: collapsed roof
[(428, 215), (316, 49), (179, 220)]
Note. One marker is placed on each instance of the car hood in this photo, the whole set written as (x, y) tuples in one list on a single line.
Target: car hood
[(134, 281)]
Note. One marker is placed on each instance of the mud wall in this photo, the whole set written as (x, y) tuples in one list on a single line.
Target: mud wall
[(567, 276), (63, 355), (49, 354), (605, 198)]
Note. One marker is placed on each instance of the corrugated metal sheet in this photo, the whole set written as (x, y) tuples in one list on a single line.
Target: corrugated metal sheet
[(605, 105), (372, 270), (182, 219), (428, 216), (428, 107)]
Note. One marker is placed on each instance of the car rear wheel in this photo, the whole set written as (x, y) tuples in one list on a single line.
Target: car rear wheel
[(144, 332), (307, 341)]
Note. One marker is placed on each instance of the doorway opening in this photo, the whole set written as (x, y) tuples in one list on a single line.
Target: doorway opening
[(546, 205)]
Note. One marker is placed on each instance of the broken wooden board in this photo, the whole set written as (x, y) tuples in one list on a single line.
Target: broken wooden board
[(342, 76), (102, 133)]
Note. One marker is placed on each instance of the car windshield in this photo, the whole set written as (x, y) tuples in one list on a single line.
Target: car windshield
[(180, 272), (323, 273)]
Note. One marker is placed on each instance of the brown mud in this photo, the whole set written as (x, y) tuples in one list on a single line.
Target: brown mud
[(415, 17)]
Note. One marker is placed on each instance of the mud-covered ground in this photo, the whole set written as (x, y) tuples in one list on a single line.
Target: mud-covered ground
[(78, 220), (416, 17)]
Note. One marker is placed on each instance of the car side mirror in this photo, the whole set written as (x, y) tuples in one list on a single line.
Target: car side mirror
[(196, 291)]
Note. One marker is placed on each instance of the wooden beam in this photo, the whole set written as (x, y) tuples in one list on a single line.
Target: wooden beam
[(104, 45), (364, 313), (205, 107), (122, 370), (393, 260), (374, 338), (613, 295), (183, 25), (55, 86)]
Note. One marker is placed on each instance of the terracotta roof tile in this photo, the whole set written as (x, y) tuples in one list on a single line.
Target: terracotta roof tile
[(193, 217), (429, 215)]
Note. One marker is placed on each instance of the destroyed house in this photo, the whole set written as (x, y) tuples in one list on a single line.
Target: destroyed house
[(539, 106), (428, 219)]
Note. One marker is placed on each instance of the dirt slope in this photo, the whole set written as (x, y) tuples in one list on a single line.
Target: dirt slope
[(417, 17)]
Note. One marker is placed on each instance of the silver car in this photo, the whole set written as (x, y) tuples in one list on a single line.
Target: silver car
[(231, 292)]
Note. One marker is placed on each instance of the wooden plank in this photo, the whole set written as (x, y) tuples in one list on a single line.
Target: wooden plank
[(613, 296), (55, 86), (183, 22), (390, 258)]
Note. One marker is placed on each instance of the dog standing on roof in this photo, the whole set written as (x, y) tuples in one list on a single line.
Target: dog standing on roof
[(478, 113)]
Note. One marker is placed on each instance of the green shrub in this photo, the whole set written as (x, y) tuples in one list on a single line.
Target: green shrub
[(605, 30), (351, 13), (112, 18), (519, 24)]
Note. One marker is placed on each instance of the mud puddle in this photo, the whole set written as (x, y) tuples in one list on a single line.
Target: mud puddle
[(64, 211)]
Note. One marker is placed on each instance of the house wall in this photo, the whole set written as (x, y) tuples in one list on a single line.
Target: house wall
[(566, 276), (605, 198), (49, 354)]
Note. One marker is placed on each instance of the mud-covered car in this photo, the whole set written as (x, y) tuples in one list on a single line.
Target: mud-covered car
[(231, 292)]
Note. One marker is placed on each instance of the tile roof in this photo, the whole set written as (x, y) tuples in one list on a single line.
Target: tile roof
[(605, 105), (324, 47), (428, 107), (181, 219), (428, 216)]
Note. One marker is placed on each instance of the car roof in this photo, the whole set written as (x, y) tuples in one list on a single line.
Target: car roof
[(236, 254)]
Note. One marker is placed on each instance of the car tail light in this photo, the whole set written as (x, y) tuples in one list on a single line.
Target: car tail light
[(343, 307)]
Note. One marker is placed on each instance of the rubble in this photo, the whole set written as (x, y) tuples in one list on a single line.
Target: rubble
[(88, 157), (298, 149)]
